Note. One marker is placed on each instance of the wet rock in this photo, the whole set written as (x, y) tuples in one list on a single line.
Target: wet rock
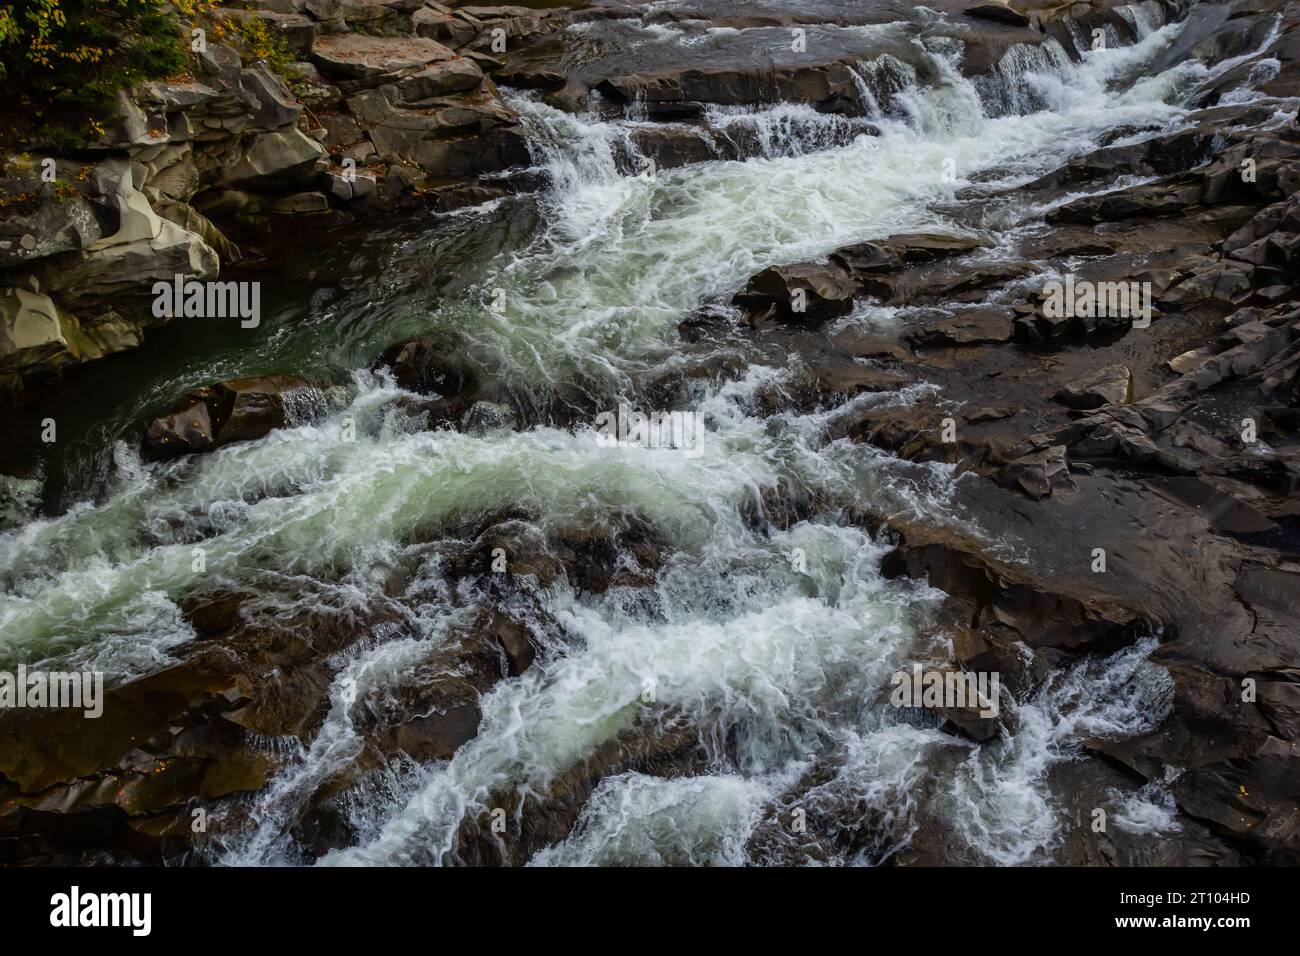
[(427, 366), (42, 219), (216, 415), (1225, 513), (669, 147), (884, 255), (537, 820), (1251, 800), (1112, 385), (434, 709), (995, 609), (516, 553)]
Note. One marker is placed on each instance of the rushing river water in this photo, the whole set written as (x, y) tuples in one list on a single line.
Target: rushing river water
[(778, 667)]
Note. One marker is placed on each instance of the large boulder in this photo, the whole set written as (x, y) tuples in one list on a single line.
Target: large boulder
[(216, 415), (278, 161), (801, 294), (145, 248), (425, 365), (437, 22), (976, 327), (276, 106)]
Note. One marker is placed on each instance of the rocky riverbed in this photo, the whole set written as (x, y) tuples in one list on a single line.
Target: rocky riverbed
[(990, 313)]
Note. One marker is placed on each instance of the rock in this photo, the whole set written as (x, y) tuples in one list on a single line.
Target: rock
[(885, 255), (441, 24), (997, 12), (424, 365), (1225, 513), (313, 90), (297, 31), (144, 249), (1038, 474), (30, 330), (669, 147), (980, 327), (432, 143), (340, 129), (191, 220), (485, 417), (434, 709), (1005, 604), (1190, 361), (127, 126), (172, 173), (440, 79), (361, 62), (276, 162), (41, 219), (800, 294), (216, 415), (1251, 800), (379, 17), (300, 204), (1112, 385)]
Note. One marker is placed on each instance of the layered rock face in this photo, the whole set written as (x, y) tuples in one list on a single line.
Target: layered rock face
[(388, 106)]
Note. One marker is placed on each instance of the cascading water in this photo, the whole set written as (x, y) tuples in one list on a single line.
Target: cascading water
[(777, 669)]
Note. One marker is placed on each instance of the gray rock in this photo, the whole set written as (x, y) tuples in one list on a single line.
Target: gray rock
[(129, 126), (276, 107), (297, 31), (277, 162), (1112, 385), (804, 293), (441, 79), (30, 330), (173, 172), (379, 16), (191, 220), (1038, 474), (982, 326), (442, 25), (340, 130), (144, 249)]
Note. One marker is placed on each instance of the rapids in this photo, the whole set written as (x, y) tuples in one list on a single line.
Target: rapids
[(779, 669)]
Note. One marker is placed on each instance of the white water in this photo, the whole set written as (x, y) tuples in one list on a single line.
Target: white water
[(778, 664)]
